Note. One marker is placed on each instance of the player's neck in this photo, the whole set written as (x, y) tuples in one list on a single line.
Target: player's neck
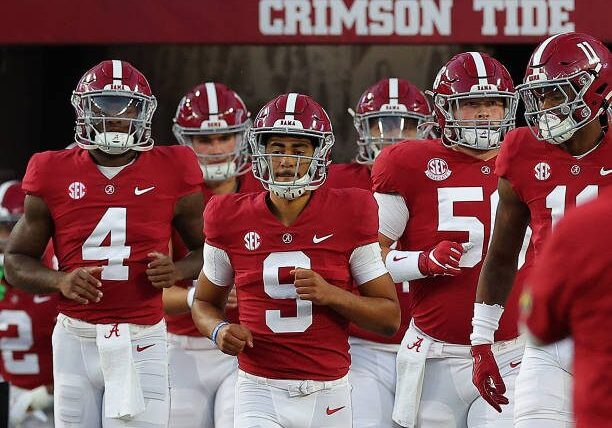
[(223, 187), (104, 159), (584, 140), (285, 210), (484, 155)]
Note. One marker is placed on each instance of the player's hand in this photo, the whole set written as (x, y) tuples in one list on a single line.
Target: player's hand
[(311, 286), (162, 271), (443, 259), (232, 338), (81, 285), (232, 299), (486, 377)]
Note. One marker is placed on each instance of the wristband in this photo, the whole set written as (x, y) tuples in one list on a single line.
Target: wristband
[(190, 296), (485, 323), (215, 331), (403, 265)]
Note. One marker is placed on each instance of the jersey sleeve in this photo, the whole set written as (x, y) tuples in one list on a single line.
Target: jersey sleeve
[(384, 173), (213, 230), (33, 181), (190, 173), (217, 266), (365, 221), (366, 263), (550, 289), (507, 155)]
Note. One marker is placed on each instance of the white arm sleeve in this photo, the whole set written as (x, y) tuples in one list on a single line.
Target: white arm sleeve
[(366, 263), (392, 215), (217, 266)]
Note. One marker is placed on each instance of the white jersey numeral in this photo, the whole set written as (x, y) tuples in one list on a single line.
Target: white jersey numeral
[(26, 364), (113, 223), (276, 290), (449, 222), (589, 52), (556, 203)]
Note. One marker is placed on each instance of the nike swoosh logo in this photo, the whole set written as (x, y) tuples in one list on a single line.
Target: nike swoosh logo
[(316, 239), (142, 348), (604, 171), (332, 411), (139, 192), (41, 299), (397, 259), (515, 365)]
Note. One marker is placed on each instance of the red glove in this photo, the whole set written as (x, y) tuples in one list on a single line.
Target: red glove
[(486, 377), (443, 259)]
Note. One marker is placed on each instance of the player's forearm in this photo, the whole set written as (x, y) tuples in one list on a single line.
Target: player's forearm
[(377, 314), (29, 274), (206, 316), (175, 300), (496, 280), (189, 267)]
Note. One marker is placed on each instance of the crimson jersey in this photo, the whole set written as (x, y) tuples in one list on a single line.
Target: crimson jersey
[(26, 325), (549, 180), (113, 223), (293, 339), (357, 175), (183, 324), (345, 175), (450, 196), (570, 295)]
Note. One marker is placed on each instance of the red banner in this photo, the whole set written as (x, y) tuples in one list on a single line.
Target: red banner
[(299, 21)]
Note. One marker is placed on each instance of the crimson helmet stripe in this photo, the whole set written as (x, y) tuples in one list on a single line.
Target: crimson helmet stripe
[(537, 55), (393, 90), (213, 105), (290, 106), (117, 72), (481, 70)]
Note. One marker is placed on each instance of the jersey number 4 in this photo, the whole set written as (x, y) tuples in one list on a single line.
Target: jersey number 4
[(112, 223)]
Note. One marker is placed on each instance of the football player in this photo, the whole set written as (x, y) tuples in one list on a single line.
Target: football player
[(390, 111), (109, 206), (211, 119), (293, 253), (571, 297), (559, 162), (437, 199), (26, 324)]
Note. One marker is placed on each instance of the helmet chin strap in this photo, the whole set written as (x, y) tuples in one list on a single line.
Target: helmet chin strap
[(481, 139), (114, 143), (555, 130), (218, 171), (293, 191)]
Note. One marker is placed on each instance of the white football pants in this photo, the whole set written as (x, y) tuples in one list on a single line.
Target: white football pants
[(544, 387), (372, 377), (79, 383), (278, 403), (449, 399), (202, 383)]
